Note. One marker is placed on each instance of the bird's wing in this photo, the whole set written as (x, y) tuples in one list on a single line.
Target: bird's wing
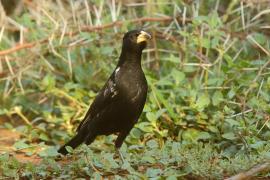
[(104, 98)]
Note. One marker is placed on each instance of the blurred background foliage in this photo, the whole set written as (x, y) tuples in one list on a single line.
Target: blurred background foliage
[(207, 68)]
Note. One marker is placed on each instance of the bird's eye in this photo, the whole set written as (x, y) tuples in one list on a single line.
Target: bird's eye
[(137, 34)]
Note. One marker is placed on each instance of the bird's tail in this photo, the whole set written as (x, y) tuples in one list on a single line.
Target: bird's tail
[(74, 142)]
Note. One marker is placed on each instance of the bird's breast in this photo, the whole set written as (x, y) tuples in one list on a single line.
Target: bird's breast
[(134, 95), (132, 85)]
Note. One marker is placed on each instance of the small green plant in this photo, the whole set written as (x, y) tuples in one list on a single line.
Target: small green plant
[(207, 67)]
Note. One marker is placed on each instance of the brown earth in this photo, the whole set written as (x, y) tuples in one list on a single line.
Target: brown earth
[(7, 138)]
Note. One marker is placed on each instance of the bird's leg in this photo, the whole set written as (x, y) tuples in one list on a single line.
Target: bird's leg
[(120, 154), (90, 138), (119, 141)]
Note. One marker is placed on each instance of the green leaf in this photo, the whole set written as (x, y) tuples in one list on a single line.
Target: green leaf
[(151, 116), (257, 145), (171, 177), (214, 20), (151, 172), (164, 102), (148, 159), (145, 126), (229, 135), (231, 93), (215, 42), (69, 149), (173, 59), (107, 50), (205, 43), (204, 135), (48, 82), (232, 122), (217, 98), (178, 76), (20, 145), (49, 152), (44, 137), (191, 135), (152, 144), (266, 154), (260, 38), (202, 101)]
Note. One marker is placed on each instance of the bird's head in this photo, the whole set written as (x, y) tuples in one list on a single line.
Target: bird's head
[(135, 40)]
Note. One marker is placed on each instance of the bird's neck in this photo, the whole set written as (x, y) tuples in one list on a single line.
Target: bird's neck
[(130, 58)]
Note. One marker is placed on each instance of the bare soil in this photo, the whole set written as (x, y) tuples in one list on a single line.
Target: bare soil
[(7, 139)]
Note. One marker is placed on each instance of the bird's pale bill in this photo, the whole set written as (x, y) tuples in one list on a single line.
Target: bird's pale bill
[(143, 36)]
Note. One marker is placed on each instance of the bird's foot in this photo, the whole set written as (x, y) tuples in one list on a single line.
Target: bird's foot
[(120, 155)]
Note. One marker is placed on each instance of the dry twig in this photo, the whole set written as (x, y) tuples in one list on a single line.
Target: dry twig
[(90, 29), (251, 172)]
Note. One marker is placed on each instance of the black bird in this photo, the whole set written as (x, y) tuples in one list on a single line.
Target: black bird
[(120, 102)]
